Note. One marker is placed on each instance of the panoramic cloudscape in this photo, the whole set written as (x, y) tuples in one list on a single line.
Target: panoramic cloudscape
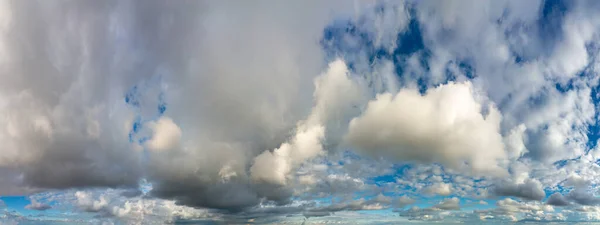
[(299, 112)]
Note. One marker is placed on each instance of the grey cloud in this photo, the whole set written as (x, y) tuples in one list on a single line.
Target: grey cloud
[(229, 196), (377, 203), (130, 193), (403, 201), (416, 213), (11, 183), (583, 197), (530, 190), (509, 209), (449, 204), (433, 213), (56, 102), (315, 214), (557, 199), (38, 206), (71, 64)]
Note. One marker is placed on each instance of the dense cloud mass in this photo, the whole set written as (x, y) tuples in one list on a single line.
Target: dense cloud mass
[(152, 112), (445, 125)]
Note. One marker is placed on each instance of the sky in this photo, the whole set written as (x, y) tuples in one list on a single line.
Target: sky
[(299, 112)]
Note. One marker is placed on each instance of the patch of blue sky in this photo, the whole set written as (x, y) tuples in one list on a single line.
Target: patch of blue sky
[(551, 19), (17, 204), (352, 41), (134, 98), (398, 172)]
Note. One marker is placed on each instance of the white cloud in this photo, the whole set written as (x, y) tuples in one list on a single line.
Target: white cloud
[(165, 135), (443, 189), (334, 91), (445, 125), (87, 202)]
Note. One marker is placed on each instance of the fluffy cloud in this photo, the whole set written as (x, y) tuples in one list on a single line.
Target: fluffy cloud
[(333, 92), (404, 201), (583, 197), (442, 189), (446, 125), (87, 203), (437, 212), (529, 190), (449, 204), (512, 210), (34, 205), (165, 135)]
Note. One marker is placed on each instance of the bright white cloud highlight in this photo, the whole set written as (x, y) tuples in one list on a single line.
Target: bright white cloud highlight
[(447, 125)]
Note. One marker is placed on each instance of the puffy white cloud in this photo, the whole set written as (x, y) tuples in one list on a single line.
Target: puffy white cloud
[(87, 202), (443, 189), (334, 91), (165, 135), (446, 125)]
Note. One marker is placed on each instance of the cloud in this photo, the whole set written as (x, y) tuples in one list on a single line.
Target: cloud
[(87, 203), (443, 189), (557, 199), (355, 205), (434, 213), (444, 125), (274, 167), (34, 205), (529, 190), (512, 210), (583, 197), (448, 204), (404, 201), (166, 135), (85, 89)]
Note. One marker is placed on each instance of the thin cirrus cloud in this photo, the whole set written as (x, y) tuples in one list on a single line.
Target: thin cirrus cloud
[(271, 112)]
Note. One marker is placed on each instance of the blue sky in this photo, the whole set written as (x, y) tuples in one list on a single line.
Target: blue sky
[(269, 112)]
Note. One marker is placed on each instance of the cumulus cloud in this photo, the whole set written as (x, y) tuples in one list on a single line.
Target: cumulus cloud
[(86, 88), (583, 197), (446, 125), (513, 210), (333, 91), (87, 202), (404, 201), (35, 205), (165, 135), (557, 199), (529, 190), (434, 213), (449, 204), (443, 189)]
